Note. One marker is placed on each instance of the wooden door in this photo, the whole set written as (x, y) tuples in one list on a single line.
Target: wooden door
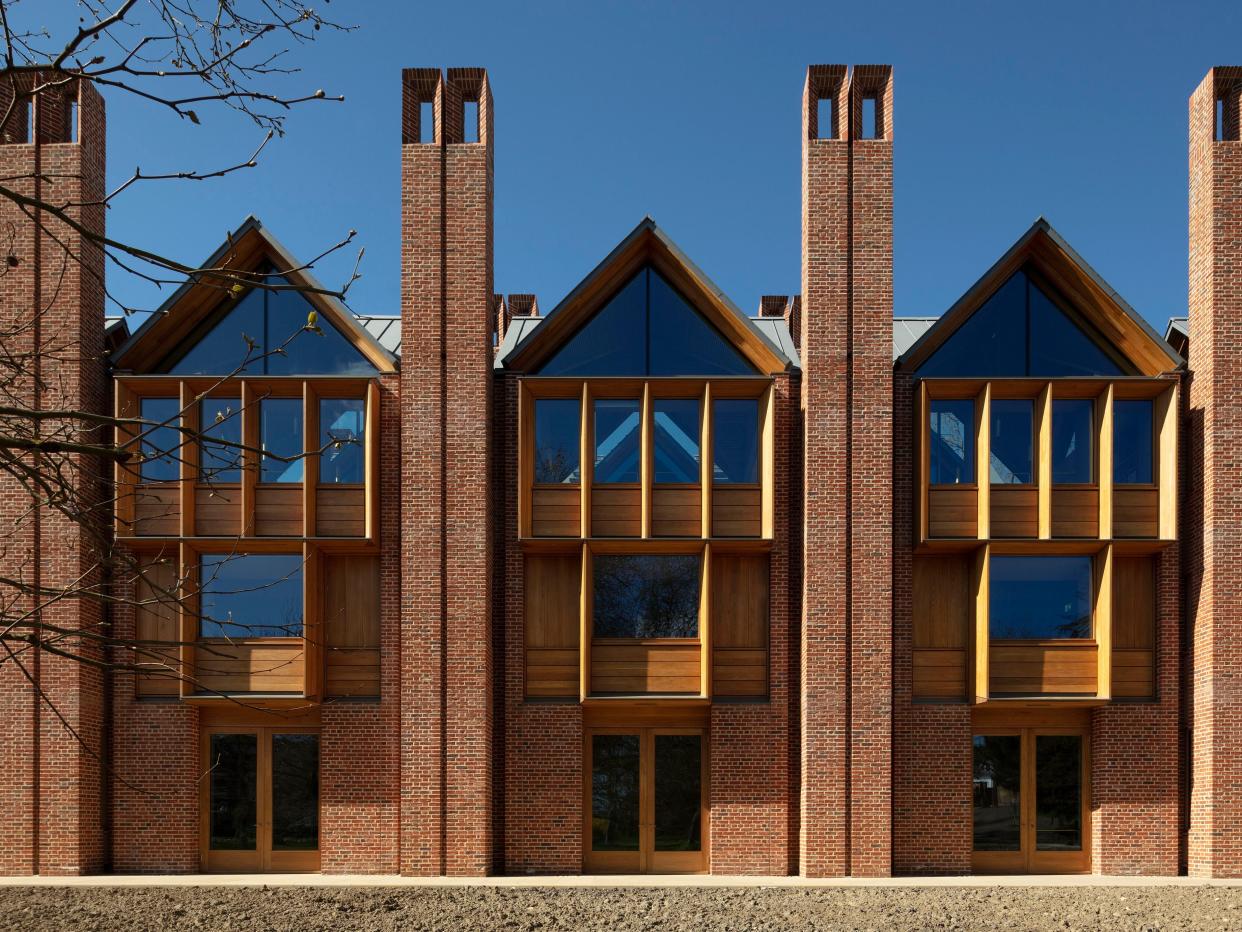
[(259, 799), (645, 806), (1031, 801)]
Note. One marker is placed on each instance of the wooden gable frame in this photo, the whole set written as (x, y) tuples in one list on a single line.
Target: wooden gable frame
[(646, 244), (243, 252), (1042, 249)]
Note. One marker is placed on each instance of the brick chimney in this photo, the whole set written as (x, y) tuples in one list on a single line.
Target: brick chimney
[(846, 349), (51, 306), (448, 322), (1214, 493)]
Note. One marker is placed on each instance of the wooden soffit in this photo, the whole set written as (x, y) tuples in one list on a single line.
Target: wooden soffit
[(1041, 248), (245, 251), (647, 244)]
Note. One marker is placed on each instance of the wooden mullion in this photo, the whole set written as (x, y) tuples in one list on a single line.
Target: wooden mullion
[(124, 478), (980, 642), (250, 458), (312, 622), (646, 458), (1043, 438), (187, 615), (1103, 622), (983, 460), (923, 479), (705, 624), (526, 458), (706, 460), (584, 625), (1166, 411), (310, 450), (371, 475), (767, 463), (586, 458), (1104, 463), (188, 453)]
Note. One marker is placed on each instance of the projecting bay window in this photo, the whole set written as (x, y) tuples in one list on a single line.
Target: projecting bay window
[(1063, 459), (646, 459), (245, 458)]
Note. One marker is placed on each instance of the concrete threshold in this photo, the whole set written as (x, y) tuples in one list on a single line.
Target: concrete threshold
[(597, 880)]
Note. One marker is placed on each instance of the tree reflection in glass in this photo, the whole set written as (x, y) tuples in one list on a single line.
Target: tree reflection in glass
[(997, 785), (678, 792), (1058, 793), (614, 792), (232, 765), (646, 596)]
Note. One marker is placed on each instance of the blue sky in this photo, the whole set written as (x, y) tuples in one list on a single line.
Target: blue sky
[(691, 112)]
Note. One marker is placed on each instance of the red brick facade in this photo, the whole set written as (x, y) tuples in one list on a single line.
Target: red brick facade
[(839, 769)]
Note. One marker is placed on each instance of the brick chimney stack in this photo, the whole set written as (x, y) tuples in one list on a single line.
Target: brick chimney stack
[(51, 307), (1214, 493), (447, 318)]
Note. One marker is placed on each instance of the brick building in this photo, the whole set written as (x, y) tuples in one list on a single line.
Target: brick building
[(645, 583)]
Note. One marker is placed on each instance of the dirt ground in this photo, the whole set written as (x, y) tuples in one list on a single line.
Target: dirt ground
[(674, 910)]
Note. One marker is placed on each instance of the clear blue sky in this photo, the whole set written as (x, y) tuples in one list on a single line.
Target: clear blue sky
[(691, 112)]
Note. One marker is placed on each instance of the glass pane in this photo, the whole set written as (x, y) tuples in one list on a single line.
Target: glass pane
[(233, 763), (998, 776), (1073, 433), (1059, 346), (280, 435), (646, 596), (991, 342), (1058, 793), (676, 438), (220, 420), (161, 445), (342, 438), (298, 351), (682, 340), (1039, 597), (613, 342), (557, 427), (295, 792), (614, 792), (251, 595), (678, 792), (735, 441), (952, 442), (1132, 442), (224, 345), (1012, 437), (618, 440)]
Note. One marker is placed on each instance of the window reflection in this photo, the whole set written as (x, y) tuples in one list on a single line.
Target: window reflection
[(735, 441), (646, 596), (221, 429), (557, 428), (160, 444), (1058, 793), (614, 792), (617, 440), (250, 595), (1133, 442), (952, 448), (1039, 597), (280, 436), (998, 798), (1073, 433), (1011, 436), (233, 819), (676, 437), (342, 440)]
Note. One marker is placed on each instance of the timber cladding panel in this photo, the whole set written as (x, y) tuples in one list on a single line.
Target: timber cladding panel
[(943, 617), (553, 588), (351, 625), (739, 624)]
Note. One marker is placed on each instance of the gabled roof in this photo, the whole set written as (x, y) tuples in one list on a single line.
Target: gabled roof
[(1047, 251), (534, 343), (244, 249)]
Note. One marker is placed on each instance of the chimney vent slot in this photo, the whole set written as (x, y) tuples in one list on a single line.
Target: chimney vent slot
[(470, 121), (826, 110), (870, 128), (426, 121)]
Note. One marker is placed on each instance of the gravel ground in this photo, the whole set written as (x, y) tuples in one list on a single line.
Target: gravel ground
[(675, 910)]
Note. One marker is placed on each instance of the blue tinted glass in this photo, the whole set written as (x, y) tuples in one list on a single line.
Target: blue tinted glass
[(225, 346), (676, 436), (557, 447), (683, 342), (735, 441), (342, 440), (294, 350), (617, 440), (1012, 434), (251, 595), (613, 342), (952, 448), (1073, 432), (1132, 442), (276, 322), (1059, 346), (1039, 597), (646, 596), (220, 455), (991, 342), (161, 445), (280, 435)]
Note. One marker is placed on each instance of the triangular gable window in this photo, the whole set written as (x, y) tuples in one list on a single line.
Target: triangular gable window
[(1020, 331), (647, 329), (274, 320)]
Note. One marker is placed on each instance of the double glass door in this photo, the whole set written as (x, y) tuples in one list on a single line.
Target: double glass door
[(646, 806), (260, 806), (1031, 801)]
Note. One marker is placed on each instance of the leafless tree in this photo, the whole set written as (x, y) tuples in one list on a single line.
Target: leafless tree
[(191, 60)]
